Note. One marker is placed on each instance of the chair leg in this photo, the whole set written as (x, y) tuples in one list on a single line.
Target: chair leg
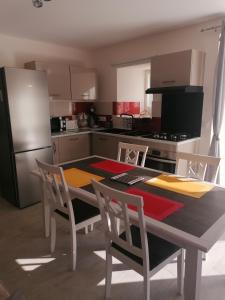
[(146, 286), (118, 225), (46, 216), (180, 272), (73, 247), (53, 233), (108, 274), (46, 212)]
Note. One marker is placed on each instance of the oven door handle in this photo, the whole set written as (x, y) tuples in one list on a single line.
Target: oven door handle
[(162, 160)]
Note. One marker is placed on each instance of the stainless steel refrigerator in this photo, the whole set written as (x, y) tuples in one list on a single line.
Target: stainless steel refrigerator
[(25, 133)]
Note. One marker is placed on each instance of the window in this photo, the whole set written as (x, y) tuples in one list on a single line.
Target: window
[(132, 81)]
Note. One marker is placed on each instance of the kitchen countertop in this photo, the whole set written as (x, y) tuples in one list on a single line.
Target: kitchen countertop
[(74, 132), (149, 139), (99, 131)]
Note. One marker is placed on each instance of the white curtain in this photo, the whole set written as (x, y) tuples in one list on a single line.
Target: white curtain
[(219, 101)]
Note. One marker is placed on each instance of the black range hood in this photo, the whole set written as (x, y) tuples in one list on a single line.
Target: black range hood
[(175, 89)]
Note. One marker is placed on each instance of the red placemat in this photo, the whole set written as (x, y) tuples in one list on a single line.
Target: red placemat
[(156, 207), (112, 166)]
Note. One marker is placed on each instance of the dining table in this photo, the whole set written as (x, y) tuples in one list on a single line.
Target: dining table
[(184, 211)]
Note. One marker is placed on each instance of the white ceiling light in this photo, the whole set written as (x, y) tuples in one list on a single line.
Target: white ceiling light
[(38, 3)]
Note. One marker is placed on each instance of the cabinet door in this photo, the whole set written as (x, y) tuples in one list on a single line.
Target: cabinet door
[(55, 148), (83, 84), (172, 69), (104, 145), (58, 76), (74, 147)]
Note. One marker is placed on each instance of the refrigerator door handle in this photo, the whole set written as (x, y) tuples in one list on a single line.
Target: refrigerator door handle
[(1, 96)]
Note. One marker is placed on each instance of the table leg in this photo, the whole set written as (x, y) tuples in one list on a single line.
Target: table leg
[(193, 272)]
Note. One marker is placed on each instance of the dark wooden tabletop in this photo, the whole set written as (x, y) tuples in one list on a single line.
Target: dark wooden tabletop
[(195, 217)]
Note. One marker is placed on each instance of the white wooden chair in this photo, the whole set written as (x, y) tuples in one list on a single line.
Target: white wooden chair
[(79, 213), (142, 251), (195, 165), (132, 152)]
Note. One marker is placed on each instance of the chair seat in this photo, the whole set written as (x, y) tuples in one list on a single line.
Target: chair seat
[(160, 249), (82, 211)]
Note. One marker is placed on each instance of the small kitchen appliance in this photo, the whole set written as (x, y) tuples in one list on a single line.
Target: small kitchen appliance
[(92, 117), (71, 124), (124, 121), (58, 124), (82, 120)]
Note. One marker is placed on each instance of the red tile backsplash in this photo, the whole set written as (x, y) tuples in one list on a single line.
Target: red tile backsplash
[(153, 124), (80, 107), (126, 107), (135, 107)]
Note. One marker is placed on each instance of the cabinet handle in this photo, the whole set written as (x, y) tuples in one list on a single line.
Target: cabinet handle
[(85, 96), (1, 96), (54, 147), (54, 95), (74, 139), (169, 81)]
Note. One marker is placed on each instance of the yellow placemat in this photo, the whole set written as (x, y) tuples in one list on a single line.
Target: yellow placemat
[(186, 186), (78, 178)]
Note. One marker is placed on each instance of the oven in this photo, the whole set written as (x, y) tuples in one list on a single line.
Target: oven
[(161, 160)]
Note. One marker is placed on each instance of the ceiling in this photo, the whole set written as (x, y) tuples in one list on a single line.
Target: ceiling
[(97, 23)]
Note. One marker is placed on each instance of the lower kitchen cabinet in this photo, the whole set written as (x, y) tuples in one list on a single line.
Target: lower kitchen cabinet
[(55, 149), (71, 147), (104, 145), (74, 147)]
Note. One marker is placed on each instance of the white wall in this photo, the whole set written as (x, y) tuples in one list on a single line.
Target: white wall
[(186, 38), (15, 51)]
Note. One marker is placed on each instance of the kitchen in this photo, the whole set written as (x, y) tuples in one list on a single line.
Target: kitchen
[(71, 72)]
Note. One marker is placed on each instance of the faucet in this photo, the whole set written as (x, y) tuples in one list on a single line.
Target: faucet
[(126, 114)]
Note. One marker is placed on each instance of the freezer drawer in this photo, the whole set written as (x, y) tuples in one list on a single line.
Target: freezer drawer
[(29, 188)]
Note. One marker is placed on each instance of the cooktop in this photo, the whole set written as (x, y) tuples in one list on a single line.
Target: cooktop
[(176, 137)]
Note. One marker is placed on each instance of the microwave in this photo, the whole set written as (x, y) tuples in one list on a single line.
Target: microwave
[(124, 121), (58, 124)]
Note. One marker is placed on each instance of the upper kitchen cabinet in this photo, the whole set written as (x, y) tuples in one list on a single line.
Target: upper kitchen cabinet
[(83, 84), (178, 69), (58, 76)]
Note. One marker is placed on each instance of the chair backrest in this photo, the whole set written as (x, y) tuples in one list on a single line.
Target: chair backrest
[(132, 152), (196, 165), (55, 188), (113, 205)]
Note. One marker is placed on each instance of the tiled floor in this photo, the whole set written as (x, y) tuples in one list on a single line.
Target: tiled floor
[(26, 264)]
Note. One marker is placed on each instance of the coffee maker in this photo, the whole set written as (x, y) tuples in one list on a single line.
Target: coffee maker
[(92, 117)]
